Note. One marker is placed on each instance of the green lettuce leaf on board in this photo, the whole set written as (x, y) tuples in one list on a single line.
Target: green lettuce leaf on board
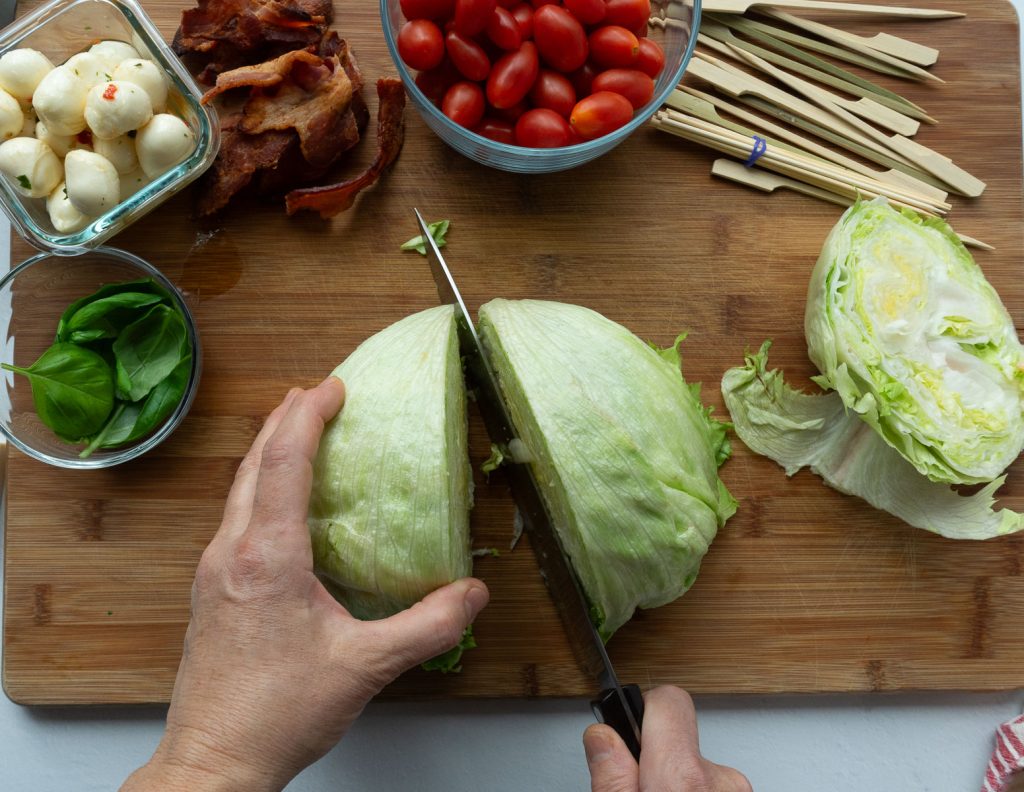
[(389, 512), (624, 452)]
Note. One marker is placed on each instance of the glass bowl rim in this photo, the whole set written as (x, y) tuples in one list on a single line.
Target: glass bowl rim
[(118, 456), (595, 146)]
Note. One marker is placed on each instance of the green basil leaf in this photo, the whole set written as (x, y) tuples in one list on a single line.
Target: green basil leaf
[(148, 350), (140, 418), (147, 285), (88, 336), (72, 389), (110, 314)]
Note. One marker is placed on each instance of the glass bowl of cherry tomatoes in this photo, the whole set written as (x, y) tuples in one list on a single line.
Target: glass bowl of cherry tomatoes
[(537, 86)]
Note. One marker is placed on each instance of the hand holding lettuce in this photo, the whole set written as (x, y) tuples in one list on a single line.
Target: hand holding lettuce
[(926, 371)]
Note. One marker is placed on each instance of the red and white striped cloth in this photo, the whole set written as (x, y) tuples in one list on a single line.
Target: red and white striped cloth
[(1007, 758)]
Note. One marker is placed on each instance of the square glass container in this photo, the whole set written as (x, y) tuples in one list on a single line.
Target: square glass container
[(63, 28)]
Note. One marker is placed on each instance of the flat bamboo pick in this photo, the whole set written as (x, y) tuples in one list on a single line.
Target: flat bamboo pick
[(850, 42), (864, 107), (705, 106), (816, 69), (922, 156), (770, 182), (741, 6)]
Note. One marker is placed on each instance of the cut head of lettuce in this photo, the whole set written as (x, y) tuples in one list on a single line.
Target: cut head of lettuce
[(624, 453), (389, 512), (904, 327)]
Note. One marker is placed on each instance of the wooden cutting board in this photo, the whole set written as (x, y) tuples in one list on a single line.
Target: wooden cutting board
[(804, 589)]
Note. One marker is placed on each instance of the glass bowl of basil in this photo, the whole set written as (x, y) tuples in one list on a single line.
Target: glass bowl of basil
[(101, 359)]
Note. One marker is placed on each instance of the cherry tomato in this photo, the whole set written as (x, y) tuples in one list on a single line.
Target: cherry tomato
[(509, 4), (436, 82), (497, 129), (652, 58), (523, 14), (464, 104), (512, 76), (600, 113), (614, 47), (553, 91), (636, 86), (583, 78), (467, 56), (538, 3), (630, 14), (420, 44), (503, 30), (561, 39), (588, 12), (427, 9), (471, 15), (542, 128), (511, 114)]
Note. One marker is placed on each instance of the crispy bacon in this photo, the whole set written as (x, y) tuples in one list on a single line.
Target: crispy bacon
[(332, 199)]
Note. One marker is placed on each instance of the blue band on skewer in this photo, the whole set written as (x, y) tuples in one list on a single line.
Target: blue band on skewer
[(758, 151)]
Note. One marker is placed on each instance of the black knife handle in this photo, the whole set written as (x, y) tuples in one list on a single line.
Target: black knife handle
[(608, 709)]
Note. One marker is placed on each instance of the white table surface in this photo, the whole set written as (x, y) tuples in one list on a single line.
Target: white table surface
[(921, 742)]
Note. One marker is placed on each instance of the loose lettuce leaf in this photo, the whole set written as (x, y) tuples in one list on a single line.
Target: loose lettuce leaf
[(451, 661), (799, 430), (623, 450), (389, 512), (902, 324)]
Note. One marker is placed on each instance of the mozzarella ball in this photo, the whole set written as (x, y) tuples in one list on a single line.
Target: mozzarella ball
[(120, 151), (59, 101), (112, 53), (61, 144), (28, 126), (32, 166), (89, 67), (93, 186), (132, 182), (163, 143), (12, 119), (114, 108), (148, 76), (20, 72), (64, 216)]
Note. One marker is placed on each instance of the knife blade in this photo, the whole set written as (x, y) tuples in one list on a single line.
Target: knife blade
[(621, 707)]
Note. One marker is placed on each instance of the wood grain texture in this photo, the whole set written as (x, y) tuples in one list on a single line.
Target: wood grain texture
[(804, 590)]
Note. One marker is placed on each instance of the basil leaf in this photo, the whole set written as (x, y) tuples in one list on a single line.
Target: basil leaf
[(140, 418), (72, 389), (147, 285), (147, 351), (108, 315), (99, 439)]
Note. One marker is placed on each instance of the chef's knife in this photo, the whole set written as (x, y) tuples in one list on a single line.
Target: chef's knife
[(621, 707)]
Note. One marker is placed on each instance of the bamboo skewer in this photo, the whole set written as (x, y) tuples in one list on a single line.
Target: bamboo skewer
[(741, 6)]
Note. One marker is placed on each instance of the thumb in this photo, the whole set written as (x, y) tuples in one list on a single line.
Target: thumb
[(430, 627), (612, 767)]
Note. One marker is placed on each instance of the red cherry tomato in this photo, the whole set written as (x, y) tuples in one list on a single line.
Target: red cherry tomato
[(630, 14), (512, 76), (583, 78), (614, 47), (420, 44), (511, 114), (588, 12), (427, 9), (561, 39), (636, 86), (523, 14), (542, 128), (652, 58), (464, 104), (509, 4), (436, 82), (553, 91), (503, 30), (538, 3), (497, 129), (467, 56), (471, 15), (599, 114)]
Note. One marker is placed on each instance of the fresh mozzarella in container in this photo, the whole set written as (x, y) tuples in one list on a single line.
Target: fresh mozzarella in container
[(31, 165), (163, 143), (132, 182), (115, 108), (64, 216), (112, 53), (89, 67), (21, 71), (59, 101), (28, 126), (148, 76), (93, 186), (120, 151), (61, 144), (12, 119)]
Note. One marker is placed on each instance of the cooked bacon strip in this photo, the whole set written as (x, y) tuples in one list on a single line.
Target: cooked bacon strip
[(335, 198)]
